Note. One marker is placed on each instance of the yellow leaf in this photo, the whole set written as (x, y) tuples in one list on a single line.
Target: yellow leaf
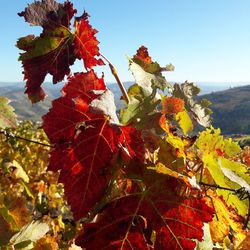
[(212, 142), (184, 121), (237, 167), (227, 218), (213, 165)]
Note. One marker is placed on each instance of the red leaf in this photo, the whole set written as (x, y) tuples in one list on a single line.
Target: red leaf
[(83, 84), (61, 123), (132, 144), (56, 49), (71, 111), (142, 55), (140, 221), (84, 164), (86, 44)]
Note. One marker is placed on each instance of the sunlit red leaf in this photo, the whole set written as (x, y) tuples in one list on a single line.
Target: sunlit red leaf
[(61, 122), (132, 144), (69, 112), (85, 141), (86, 44), (143, 59), (57, 47), (83, 84), (84, 164), (142, 221)]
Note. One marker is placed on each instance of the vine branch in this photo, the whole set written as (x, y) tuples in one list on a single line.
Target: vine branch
[(120, 84)]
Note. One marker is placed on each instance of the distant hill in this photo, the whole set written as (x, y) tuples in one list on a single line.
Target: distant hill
[(231, 107), (23, 107)]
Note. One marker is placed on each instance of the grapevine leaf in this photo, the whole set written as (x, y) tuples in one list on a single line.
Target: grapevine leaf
[(51, 53), (239, 169), (131, 143), (82, 84), (18, 172), (207, 242), (48, 13), (185, 122), (187, 91), (143, 59), (47, 242), (172, 105), (30, 233), (227, 218), (233, 176), (214, 150), (245, 244), (86, 44), (7, 115), (85, 173), (83, 118), (56, 49), (212, 142), (140, 107), (162, 169), (147, 73), (105, 104), (5, 230), (140, 221), (61, 123), (83, 169)]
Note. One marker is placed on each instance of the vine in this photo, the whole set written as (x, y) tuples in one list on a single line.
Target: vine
[(130, 179)]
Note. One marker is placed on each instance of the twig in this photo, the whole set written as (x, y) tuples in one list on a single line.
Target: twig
[(114, 73)]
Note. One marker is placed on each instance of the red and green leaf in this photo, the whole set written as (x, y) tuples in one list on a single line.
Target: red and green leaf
[(57, 47), (86, 44)]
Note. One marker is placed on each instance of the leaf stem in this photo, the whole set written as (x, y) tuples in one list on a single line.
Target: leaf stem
[(120, 84), (9, 135)]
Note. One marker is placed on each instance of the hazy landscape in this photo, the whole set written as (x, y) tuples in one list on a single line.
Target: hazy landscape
[(230, 103)]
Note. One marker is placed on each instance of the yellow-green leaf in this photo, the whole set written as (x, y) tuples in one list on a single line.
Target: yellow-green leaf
[(7, 115), (184, 121)]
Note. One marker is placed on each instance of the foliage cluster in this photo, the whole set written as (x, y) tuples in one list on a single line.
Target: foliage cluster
[(139, 179)]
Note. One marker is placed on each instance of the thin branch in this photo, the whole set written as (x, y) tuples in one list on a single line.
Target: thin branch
[(120, 84), (9, 135)]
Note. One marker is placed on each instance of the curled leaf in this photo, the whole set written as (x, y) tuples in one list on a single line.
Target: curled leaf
[(7, 115)]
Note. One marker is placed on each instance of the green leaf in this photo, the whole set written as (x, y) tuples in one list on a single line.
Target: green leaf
[(236, 172), (214, 167), (43, 45), (7, 115), (140, 107), (147, 80)]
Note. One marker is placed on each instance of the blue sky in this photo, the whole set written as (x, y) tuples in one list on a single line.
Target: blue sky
[(207, 41)]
